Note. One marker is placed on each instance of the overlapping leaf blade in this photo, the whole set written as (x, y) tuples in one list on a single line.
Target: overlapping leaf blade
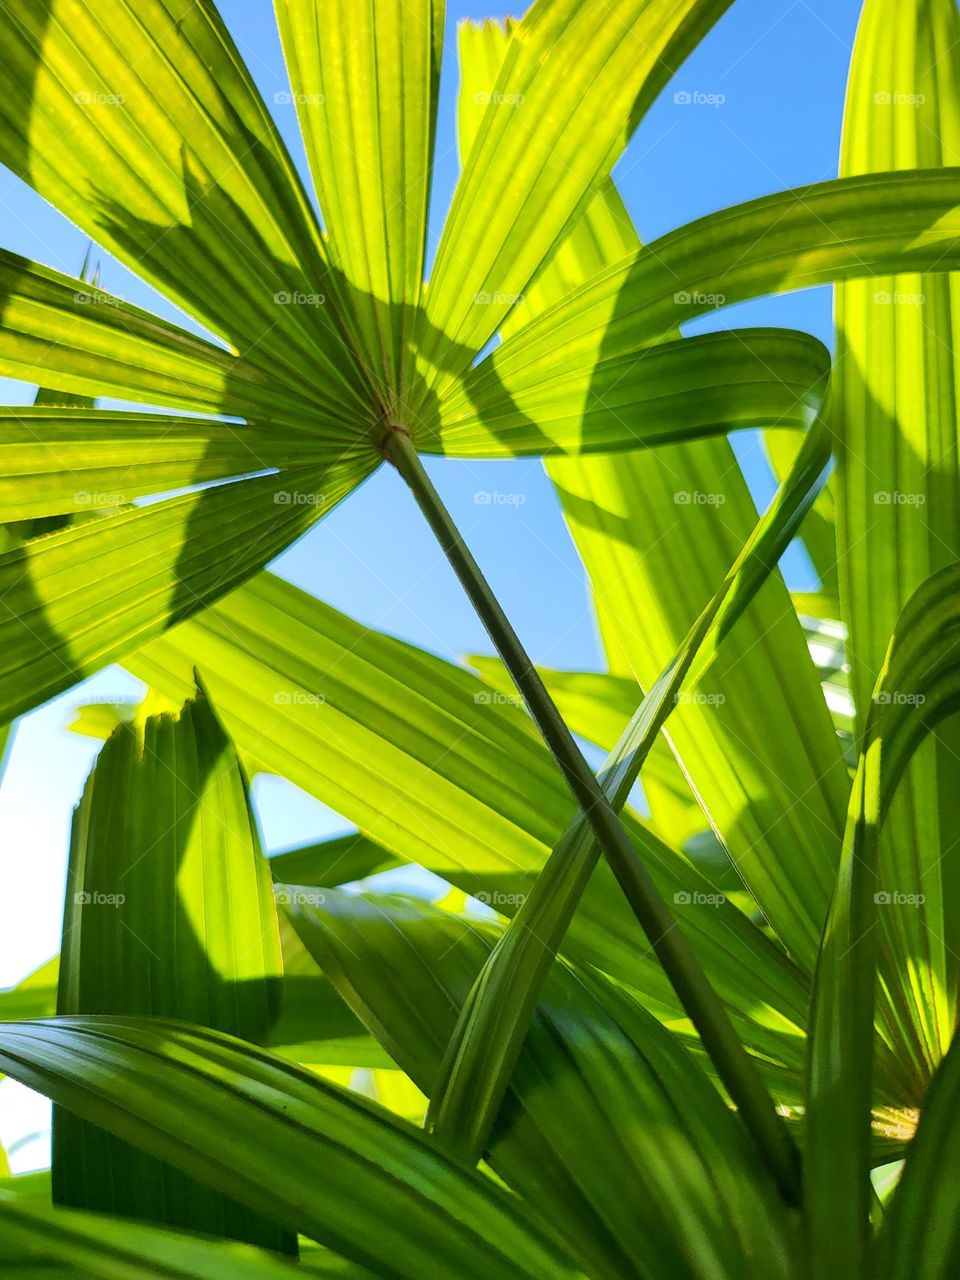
[(169, 913), (850, 230), (332, 862), (918, 686), (76, 338), (819, 534), (287, 1144), (355, 717), (313, 1026), (54, 461), (540, 151), (918, 1239), (665, 394), (604, 232), (776, 805), (481, 1055), (211, 212), (840, 230), (621, 538), (34, 997), (75, 600), (596, 705), (54, 1245), (365, 79), (680, 1193), (898, 479), (481, 47)]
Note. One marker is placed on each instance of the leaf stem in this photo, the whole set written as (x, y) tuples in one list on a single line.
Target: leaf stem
[(732, 1062)]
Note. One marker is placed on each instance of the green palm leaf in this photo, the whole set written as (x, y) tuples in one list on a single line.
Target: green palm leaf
[(34, 997), (332, 862), (917, 687), (365, 78), (59, 1245), (286, 1144), (327, 353), (54, 461), (75, 600), (481, 1055), (819, 532), (522, 185), (72, 336), (919, 1237), (169, 912), (777, 804), (678, 391), (695, 497), (351, 716), (211, 212), (898, 478), (699, 1203), (840, 230), (596, 706), (313, 1025)]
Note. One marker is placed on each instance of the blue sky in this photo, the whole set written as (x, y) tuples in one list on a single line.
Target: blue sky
[(777, 70)]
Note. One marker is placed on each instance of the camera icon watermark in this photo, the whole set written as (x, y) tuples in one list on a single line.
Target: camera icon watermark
[(287, 99), (895, 498), (494, 498), (298, 698), (288, 896), (95, 298), (499, 99), (296, 298), (884, 298), (494, 698), (697, 98), (897, 698), (497, 900), (697, 298), (298, 498), (688, 498), (96, 98), (893, 98), (698, 698)]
